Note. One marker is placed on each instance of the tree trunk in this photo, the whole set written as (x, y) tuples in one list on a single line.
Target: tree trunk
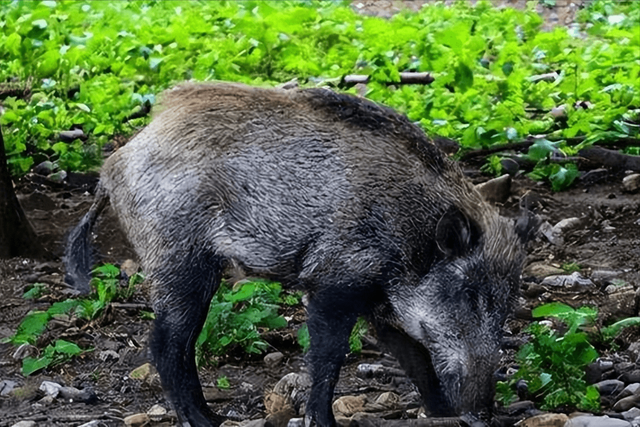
[(17, 237)]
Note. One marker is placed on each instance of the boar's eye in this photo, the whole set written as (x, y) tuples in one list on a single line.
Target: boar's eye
[(456, 236)]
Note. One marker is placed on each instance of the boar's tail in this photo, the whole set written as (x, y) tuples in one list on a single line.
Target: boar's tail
[(78, 253)]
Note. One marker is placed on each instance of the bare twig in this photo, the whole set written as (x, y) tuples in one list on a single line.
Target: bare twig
[(405, 78)]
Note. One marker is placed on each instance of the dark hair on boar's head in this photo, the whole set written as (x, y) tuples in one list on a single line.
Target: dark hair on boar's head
[(323, 192)]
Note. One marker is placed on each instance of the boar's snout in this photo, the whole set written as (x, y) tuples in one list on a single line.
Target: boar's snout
[(464, 367)]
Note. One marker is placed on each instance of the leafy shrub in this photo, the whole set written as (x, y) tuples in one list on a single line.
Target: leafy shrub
[(553, 361), (235, 317), (96, 65), (355, 337), (106, 285)]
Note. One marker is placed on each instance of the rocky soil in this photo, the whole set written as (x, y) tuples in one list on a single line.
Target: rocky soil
[(595, 225)]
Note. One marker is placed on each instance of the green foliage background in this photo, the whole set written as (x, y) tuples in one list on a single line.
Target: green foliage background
[(93, 64)]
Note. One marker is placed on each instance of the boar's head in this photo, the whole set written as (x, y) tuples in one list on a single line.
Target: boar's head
[(447, 327)]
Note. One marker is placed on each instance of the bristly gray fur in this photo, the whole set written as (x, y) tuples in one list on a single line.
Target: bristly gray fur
[(78, 256), (328, 193)]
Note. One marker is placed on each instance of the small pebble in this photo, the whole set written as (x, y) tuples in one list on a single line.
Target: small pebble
[(136, 420)]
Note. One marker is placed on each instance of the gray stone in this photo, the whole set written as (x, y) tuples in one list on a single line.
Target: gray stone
[(547, 231), (609, 387), (541, 269), (130, 267), (605, 364), (388, 399), (572, 281), (623, 367), (348, 405), (296, 422), (7, 386), (108, 354), (631, 377), (496, 190), (136, 420), (630, 390), (631, 183), (273, 359), (50, 388), (71, 135), (24, 424), (604, 276), (156, 412), (545, 420), (292, 383), (57, 177), (631, 414), (593, 421), (627, 403), (45, 168)]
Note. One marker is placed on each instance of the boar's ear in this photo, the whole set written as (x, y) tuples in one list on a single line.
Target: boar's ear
[(455, 234), (528, 222)]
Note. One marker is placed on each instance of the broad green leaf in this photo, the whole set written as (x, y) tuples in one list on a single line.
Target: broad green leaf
[(541, 149), (12, 44), (31, 364), (563, 177), (40, 23), (552, 309), (67, 347), (31, 327), (463, 77), (63, 307), (245, 292), (106, 270)]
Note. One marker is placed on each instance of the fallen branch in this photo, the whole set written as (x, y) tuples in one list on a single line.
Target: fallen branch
[(131, 306), (611, 159), (483, 152), (406, 78)]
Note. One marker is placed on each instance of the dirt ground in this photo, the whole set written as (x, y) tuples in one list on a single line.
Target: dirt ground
[(603, 240)]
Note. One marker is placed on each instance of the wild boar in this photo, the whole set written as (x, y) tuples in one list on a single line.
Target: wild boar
[(324, 192)]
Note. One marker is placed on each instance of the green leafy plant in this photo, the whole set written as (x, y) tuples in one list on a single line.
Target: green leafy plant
[(570, 267), (553, 362), (54, 354), (355, 337), (35, 291), (236, 316), (106, 285), (98, 66), (223, 383), (303, 337)]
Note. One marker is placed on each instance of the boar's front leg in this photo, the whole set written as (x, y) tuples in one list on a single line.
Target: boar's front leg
[(416, 362), (181, 302), (331, 317)]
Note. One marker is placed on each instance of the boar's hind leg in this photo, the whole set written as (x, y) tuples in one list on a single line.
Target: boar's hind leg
[(182, 297), (330, 320), (416, 362)]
